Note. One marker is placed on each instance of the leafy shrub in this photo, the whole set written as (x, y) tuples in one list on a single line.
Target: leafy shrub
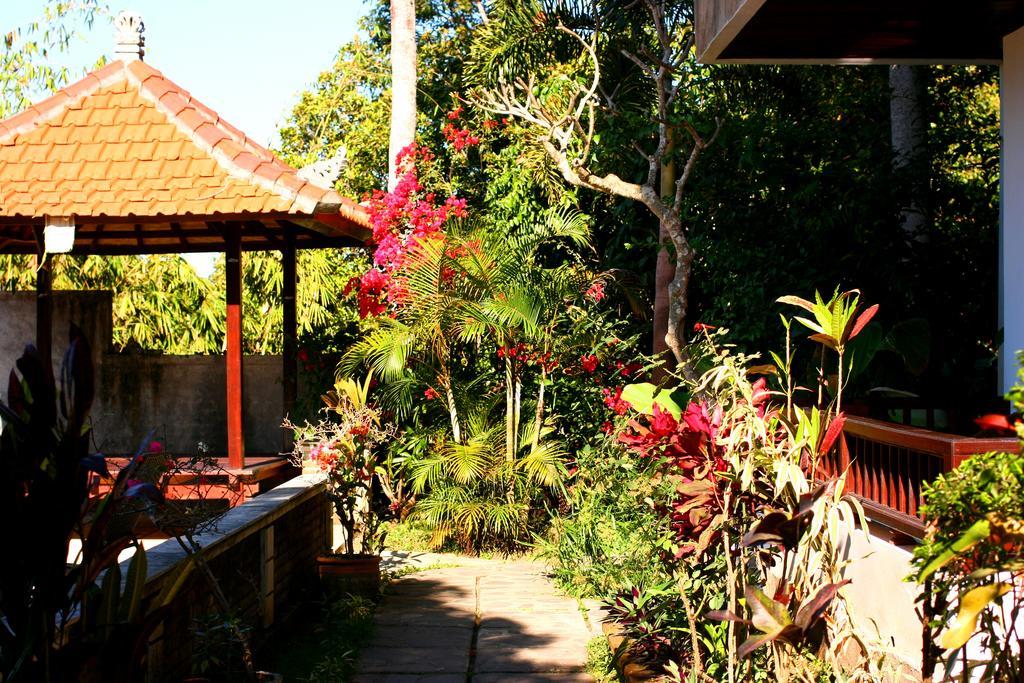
[(604, 540), (970, 559)]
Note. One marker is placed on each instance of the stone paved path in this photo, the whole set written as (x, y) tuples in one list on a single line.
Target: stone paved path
[(483, 622)]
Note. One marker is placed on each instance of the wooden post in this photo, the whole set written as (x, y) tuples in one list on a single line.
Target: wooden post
[(267, 577), (44, 303), (289, 373), (233, 274)]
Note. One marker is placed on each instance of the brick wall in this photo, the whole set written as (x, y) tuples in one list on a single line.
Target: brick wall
[(264, 556)]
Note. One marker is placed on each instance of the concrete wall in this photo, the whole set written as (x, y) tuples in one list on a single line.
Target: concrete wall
[(92, 311), (880, 601), (182, 399)]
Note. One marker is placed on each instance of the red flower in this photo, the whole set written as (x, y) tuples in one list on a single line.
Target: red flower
[(703, 327), (430, 394), (460, 138), (589, 363), (595, 292), (629, 369), (614, 401), (995, 423), (607, 427)]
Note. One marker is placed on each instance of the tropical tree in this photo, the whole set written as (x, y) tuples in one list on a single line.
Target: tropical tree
[(29, 66), (403, 83), (567, 69)]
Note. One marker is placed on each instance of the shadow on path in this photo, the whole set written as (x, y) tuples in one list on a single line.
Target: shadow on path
[(484, 623)]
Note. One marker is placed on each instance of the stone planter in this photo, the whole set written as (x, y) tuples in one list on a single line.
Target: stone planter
[(350, 574)]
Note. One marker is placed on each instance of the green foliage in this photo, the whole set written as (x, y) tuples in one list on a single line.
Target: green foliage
[(803, 167), (324, 647), (970, 558), (604, 540), (29, 67), (600, 661), (65, 619), (218, 653)]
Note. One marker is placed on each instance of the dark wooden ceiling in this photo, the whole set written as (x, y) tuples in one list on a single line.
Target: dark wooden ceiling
[(185, 234), (867, 30)]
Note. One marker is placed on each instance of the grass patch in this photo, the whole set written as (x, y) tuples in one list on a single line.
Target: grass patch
[(409, 535), (325, 649), (600, 662), (391, 576)]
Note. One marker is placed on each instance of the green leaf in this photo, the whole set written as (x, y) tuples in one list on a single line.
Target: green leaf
[(977, 532), (131, 600), (971, 604), (796, 301), (767, 615), (644, 396)]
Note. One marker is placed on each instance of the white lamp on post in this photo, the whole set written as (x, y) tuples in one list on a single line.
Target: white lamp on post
[(58, 234)]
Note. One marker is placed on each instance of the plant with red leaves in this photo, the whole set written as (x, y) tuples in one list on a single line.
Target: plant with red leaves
[(737, 500)]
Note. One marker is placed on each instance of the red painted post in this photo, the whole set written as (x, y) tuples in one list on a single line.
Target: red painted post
[(289, 373), (233, 275)]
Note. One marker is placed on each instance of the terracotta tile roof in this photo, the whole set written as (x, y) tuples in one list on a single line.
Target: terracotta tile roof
[(127, 142)]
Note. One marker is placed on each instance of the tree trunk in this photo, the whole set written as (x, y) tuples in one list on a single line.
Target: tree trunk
[(909, 156), (403, 82), (664, 270), (675, 335), (510, 410)]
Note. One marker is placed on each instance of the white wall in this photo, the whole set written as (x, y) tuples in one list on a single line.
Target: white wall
[(1011, 234)]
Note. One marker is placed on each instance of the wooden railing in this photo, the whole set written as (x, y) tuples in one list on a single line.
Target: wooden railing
[(887, 464)]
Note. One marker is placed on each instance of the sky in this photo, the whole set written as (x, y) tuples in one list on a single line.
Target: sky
[(248, 60)]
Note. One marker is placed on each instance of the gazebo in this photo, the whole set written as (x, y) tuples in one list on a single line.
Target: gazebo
[(125, 161)]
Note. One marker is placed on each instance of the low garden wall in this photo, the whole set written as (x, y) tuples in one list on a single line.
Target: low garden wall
[(263, 553)]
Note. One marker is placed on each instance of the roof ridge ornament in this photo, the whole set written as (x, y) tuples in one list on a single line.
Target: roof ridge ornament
[(325, 173), (129, 43)]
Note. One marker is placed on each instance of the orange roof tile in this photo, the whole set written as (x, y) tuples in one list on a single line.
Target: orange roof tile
[(127, 142)]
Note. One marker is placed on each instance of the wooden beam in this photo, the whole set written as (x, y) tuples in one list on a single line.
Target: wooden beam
[(44, 304), (718, 22), (289, 352), (233, 355)]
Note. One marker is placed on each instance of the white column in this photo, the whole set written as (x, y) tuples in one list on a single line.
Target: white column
[(1011, 229)]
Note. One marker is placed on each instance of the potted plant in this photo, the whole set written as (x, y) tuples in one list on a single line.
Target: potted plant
[(345, 447)]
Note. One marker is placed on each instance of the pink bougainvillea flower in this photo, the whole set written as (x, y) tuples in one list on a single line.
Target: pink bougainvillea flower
[(156, 447)]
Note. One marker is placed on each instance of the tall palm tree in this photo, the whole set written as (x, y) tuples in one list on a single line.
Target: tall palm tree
[(403, 82)]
